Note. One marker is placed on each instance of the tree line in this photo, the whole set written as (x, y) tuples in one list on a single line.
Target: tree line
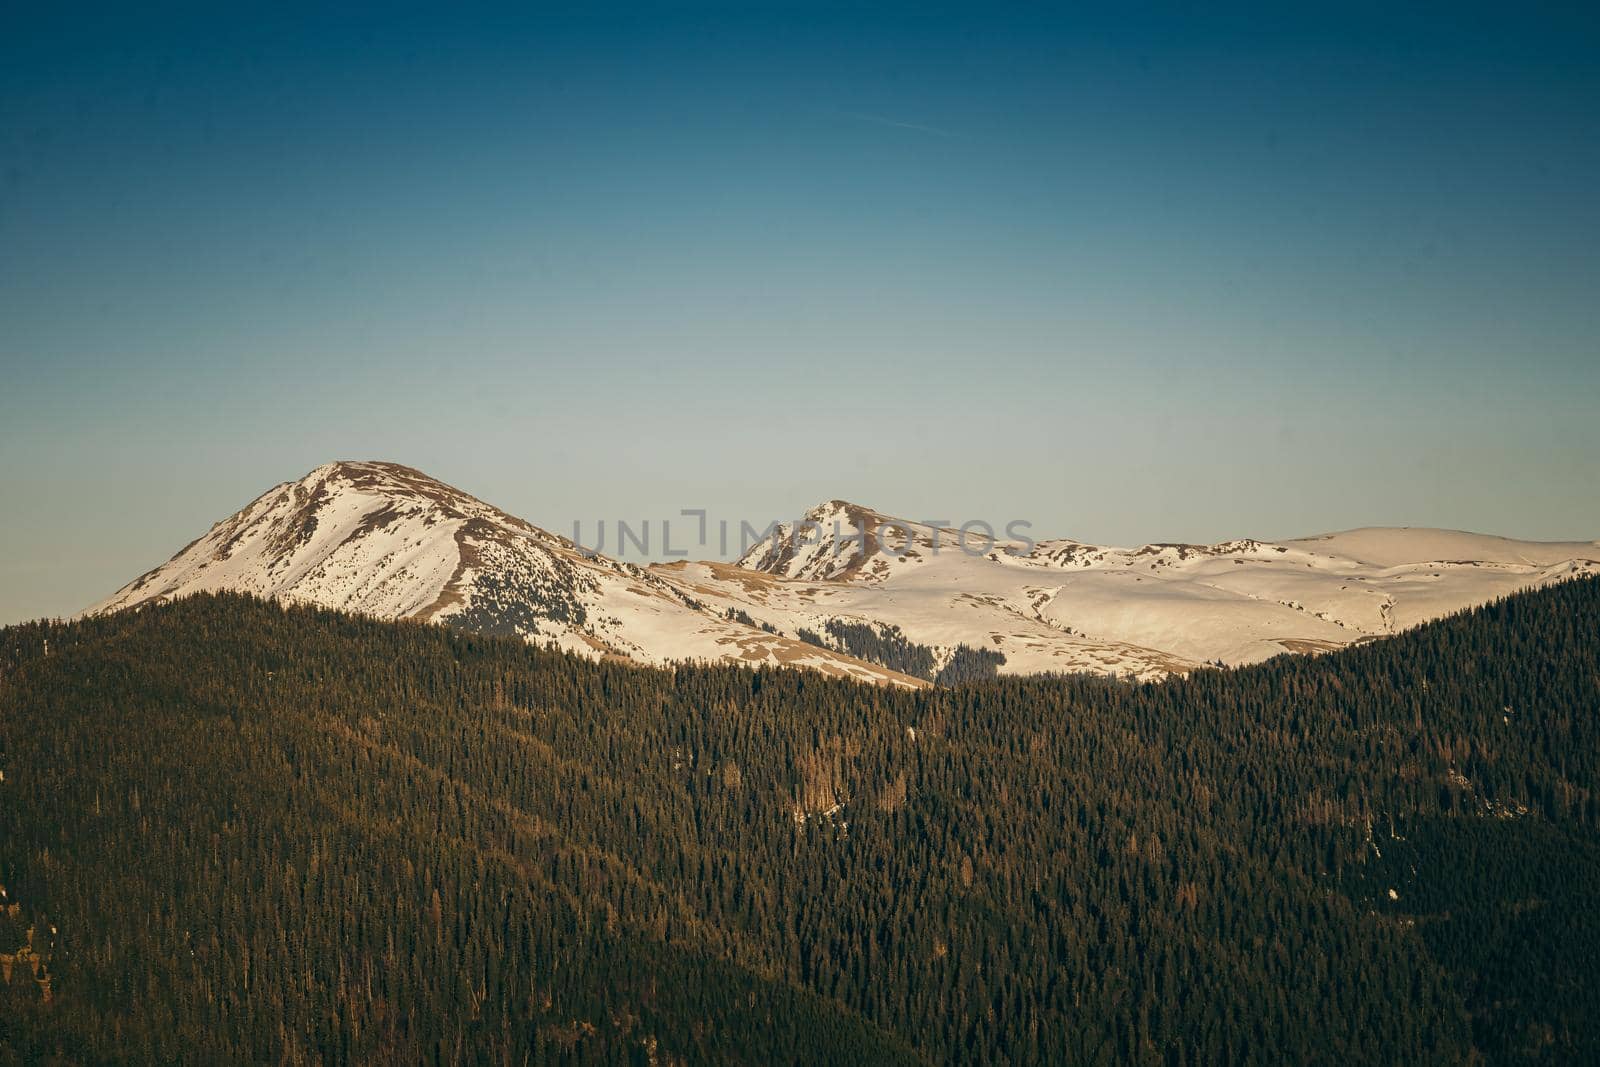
[(231, 831)]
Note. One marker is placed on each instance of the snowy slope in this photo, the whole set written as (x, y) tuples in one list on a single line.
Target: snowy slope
[(1066, 605), (389, 541), (385, 540)]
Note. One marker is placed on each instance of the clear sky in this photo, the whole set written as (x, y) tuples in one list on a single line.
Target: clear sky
[(1129, 275)]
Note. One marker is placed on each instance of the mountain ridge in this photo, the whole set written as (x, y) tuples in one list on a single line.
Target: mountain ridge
[(386, 540), (846, 589)]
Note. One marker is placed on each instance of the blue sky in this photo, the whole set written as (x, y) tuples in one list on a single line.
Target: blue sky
[(1129, 275)]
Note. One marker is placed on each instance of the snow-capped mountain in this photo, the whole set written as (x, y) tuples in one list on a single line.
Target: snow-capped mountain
[(846, 590), (385, 540), (1158, 608), (841, 541)]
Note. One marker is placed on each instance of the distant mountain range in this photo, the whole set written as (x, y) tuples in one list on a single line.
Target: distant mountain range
[(846, 590)]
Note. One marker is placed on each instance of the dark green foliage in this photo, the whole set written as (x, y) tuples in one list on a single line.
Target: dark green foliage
[(291, 836), (888, 646), (1505, 902), (883, 645), (741, 615), (517, 608), (968, 665)]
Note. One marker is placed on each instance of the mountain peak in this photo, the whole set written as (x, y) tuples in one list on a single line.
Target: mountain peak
[(384, 539), (364, 469), (362, 535), (843, 585), (832, 541), (385, 476)]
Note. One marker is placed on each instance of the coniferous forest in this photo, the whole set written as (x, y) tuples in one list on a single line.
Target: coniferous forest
[(231, 832)]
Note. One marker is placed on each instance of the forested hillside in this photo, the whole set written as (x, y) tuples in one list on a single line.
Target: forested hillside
[(231, 832)]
